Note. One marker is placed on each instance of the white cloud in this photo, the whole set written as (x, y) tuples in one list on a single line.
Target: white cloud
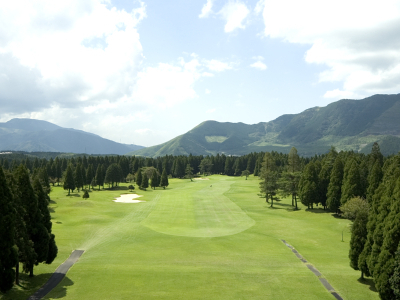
[(211, 110), (207, 91), (339, 94), (358, 41), (217, 65), (207, 9), (234, 13), (259, 65), (143, 131), (79, 52)]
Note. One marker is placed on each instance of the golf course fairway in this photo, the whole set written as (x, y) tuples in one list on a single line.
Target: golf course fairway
[(200, 239)]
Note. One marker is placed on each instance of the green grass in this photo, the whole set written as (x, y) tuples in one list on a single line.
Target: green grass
[(193, 241)]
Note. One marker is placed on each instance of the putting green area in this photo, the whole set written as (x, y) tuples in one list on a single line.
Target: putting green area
[(201, 239)]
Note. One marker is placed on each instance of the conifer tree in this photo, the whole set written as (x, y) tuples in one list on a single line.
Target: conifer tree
[(308, 185), (8, 252), (89, 175), (351, 185), (269, 178), (49, 249), (78, 176), (139, 178), (154, 179), (358, 238), (374, 179), (69, 181), (395, 278), (99, 176), (145, 182), (189, 172), (335, 185), (384, 267), (164, 179), (36, 231)]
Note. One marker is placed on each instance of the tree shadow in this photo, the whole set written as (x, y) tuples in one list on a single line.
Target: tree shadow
[(74, 195), (30, 285), (117, 188), (369, 282), (52, 202)]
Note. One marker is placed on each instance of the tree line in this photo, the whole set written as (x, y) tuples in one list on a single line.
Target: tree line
[(363, 188), (25, 223)]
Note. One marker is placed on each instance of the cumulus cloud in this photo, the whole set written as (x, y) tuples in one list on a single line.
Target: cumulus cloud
[(207, 9), (234, 13), (259, 65), (75, 52), (358, 41), (217, 65)]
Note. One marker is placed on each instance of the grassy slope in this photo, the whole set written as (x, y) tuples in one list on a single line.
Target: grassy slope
[(125, 259)]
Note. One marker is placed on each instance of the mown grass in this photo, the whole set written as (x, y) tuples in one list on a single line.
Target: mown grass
[(194, 241)]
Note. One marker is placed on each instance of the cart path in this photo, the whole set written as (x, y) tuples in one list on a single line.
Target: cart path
[(324, 282), (57, 276)]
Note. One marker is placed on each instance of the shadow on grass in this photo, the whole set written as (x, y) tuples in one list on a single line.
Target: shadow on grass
[(53, 202), (30, 285), (369, 282), (74, 195), (117, 188)]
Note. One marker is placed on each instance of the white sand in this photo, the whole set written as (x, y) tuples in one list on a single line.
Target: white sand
[(199, 178), (128, 198)]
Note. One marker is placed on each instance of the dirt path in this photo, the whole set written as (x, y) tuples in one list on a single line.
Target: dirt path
[(58, 275), (324, 282)]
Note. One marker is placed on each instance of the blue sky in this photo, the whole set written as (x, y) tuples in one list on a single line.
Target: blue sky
[(144, 72)]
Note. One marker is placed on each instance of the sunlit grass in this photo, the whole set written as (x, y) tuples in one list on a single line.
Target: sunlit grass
[(194, 241)]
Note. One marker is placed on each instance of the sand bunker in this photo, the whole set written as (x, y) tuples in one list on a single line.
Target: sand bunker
[(128, 198), (199, 178)]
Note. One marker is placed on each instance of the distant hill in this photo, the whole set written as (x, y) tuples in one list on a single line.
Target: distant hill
[(37, 135), (345, 124)]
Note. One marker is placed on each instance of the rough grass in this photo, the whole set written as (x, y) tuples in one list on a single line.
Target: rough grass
[(129, 257)]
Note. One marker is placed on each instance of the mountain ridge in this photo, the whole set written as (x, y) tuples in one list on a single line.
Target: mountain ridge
[(32, 135), (346, 124)]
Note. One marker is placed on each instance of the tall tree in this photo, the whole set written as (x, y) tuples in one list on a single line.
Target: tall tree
[(269, 178), (189, 172), (308, 185), (395, 278), (100, 176), (78, 177), (8, 252), (139, 177), (351, 185), (358, 239), (69, 181), (335, 185), (113, 174), (145, 182), (154, 179), (164, 179)]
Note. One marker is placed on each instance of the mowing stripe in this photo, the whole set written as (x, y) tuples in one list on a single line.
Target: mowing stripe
[(324, 282), (57, 276)]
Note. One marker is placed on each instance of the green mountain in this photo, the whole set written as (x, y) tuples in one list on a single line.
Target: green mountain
[(35, 135), (345, 124)]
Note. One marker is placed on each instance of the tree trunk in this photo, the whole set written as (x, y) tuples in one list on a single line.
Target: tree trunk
[(295, 201), (31, 271), (17, 273)]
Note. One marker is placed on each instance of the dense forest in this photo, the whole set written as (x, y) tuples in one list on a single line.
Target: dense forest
[(362, 187)]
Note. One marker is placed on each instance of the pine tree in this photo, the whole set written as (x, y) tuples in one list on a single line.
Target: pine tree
[(164, 179), (374, 179), (189, 172), (269, 178), (139, 178), (99, 176), (335, 185), (8, 252), (358, 239), (395, 278), (351, 185), (384, 267), (78, 176), (89, 175), (308, 185), (49, 249), (69, 181), (36, 231), (154, 179), (145, 182)]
